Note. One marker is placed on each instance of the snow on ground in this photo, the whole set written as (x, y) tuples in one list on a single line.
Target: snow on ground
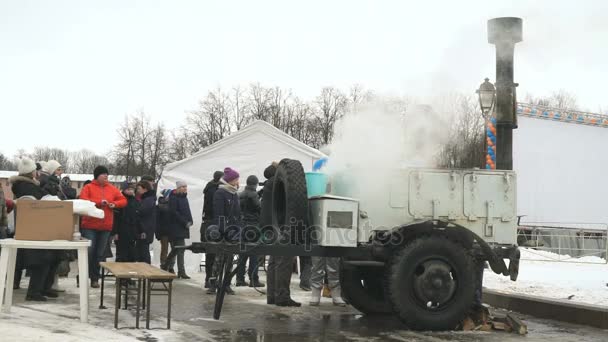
[(59, 319), (586, 280)]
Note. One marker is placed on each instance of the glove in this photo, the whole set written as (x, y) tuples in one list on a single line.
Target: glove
[(189, 224)]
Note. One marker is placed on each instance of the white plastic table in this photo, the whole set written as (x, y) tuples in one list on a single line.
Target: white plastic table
[(7, 268)]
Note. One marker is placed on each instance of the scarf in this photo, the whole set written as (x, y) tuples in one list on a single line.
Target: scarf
[(231, 189)]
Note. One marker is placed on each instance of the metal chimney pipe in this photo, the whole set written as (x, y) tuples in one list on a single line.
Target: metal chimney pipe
[(504, 33)]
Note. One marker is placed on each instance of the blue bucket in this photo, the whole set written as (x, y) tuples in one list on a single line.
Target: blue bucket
[(316, 183)]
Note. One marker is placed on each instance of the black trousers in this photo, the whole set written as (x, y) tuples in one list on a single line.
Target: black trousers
[(279, 278), (125, 250), (305, 270), (252, 270), (142, 251), (43, 275)]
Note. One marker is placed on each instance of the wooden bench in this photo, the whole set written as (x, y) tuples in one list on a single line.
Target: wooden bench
[(146, 275)]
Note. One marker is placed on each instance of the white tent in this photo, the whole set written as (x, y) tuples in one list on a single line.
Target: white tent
[(249, 151)]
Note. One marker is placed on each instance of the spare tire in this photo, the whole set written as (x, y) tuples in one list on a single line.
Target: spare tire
[(290, 200)]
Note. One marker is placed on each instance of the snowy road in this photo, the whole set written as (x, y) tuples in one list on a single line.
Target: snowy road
[(245, 318)]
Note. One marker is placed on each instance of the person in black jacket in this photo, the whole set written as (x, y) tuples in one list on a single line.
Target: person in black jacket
[(179, 229), (40, 262), (67, 189), (227, 217), (163, 222), (208, 193), (125, 228), (146, 225), (250, 207)]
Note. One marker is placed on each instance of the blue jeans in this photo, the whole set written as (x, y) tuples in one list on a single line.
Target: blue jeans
[(99, 240)]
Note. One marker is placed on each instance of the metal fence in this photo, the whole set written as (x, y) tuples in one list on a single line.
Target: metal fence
[(570, 242)]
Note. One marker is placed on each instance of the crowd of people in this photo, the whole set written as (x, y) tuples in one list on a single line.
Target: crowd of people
[(135, 214)]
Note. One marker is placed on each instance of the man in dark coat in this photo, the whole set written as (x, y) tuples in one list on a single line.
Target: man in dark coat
[(227, 217), (279, 267), (125, 228), (250, 208), (208, 193), (163, 222), (179, 229), (146, 221), (40, 262)]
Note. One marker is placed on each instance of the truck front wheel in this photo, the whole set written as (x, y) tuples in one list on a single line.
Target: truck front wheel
[(431, 284), (362, 287)]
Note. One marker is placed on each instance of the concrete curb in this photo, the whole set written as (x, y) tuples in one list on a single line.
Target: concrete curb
[(591, 315)]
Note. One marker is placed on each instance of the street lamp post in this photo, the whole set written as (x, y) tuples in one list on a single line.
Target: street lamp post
[(504, 33), (487, 99)]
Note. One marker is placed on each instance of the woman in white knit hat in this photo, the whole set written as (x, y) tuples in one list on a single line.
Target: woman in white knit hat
[(38, 261), (51, 177)]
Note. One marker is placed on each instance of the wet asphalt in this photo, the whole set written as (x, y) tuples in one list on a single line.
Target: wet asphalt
[(247, 317)]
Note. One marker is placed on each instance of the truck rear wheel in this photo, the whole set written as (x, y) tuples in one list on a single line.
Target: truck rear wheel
[(431, 284), (362, 287)]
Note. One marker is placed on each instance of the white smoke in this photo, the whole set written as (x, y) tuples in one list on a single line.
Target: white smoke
[(371, 144)]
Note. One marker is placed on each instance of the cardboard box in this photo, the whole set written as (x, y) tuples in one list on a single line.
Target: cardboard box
[(44, 220)]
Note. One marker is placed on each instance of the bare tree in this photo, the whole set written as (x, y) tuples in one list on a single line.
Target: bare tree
[(240, 107), (157, 150), (51, 153), (464, 146), (260, 101), (124, 152), (85, 161), (212, 121), (7, 164), (357, 96), (331, 104), (561, 99)]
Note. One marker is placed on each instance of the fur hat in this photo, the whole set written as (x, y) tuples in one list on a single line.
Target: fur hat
[(230, 175), (100, 170), (179, 184), (26, 166), (51, 166)]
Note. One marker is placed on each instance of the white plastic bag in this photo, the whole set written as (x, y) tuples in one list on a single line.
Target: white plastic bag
[(87, 208)]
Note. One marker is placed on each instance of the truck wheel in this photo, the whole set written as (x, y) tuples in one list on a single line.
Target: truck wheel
[(362, 287), (289, 198), (432, 283)]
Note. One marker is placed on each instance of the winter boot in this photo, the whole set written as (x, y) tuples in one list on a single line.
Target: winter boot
[(256, 283), (212, 286), (35, 298), (289, 303), (240, 282), (183, 275), (336, 296), (315, 297), (230, 291)]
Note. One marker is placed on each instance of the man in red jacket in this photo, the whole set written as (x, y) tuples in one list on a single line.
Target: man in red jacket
[(106, 197)]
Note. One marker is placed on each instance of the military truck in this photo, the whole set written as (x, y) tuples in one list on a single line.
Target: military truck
[(415, 248)]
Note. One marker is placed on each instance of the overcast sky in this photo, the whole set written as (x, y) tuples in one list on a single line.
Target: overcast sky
[(71, 70)]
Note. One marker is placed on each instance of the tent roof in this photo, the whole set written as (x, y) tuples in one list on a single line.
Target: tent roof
[(258, 126)]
